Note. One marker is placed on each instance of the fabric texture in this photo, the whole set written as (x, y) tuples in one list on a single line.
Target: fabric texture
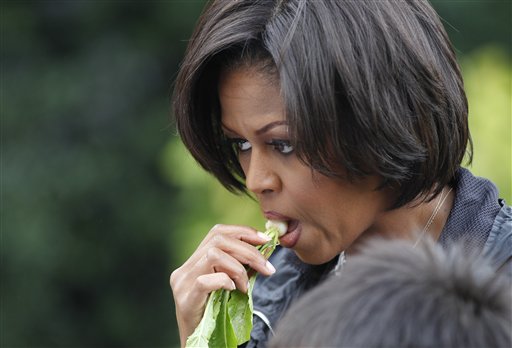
[(474, 210), (499, 244)]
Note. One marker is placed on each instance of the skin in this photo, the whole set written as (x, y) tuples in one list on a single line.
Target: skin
[(333, 215)]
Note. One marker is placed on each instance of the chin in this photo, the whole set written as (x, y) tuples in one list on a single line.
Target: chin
[(313, 258)]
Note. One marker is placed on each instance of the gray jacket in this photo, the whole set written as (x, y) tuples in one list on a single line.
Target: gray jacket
[(478, 216)]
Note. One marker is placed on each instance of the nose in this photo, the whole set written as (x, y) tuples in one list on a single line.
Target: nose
[(260, 176)]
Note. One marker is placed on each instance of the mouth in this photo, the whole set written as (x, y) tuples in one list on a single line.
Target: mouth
[(290, 223)]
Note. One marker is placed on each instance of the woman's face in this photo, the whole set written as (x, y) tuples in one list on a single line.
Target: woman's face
[(325, 215)]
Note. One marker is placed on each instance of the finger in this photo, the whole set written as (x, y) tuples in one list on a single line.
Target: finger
[(221, 233), (216, 260), (242, 252), (190, 306), (243, 233), (207, 283)]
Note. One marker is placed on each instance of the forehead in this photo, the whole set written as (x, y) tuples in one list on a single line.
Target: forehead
[(248, 92)]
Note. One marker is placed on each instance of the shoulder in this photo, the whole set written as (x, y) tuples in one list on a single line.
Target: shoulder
[(474, 210)]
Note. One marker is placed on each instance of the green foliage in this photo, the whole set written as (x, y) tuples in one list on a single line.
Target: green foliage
[(85, 236), (473, 24), (488, 81)]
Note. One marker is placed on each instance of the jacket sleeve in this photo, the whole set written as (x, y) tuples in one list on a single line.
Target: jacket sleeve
[(498, 246)]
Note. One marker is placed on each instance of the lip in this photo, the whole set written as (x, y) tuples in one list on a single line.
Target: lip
[(291, 237), (272, 215)]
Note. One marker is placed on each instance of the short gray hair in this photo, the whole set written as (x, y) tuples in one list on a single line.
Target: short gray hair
[(395, 295)]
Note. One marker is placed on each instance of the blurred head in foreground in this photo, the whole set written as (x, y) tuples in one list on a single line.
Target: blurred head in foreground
[(396, 295)]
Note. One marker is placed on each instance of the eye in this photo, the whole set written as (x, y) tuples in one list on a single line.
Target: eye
[(282, 146), (240, 145)]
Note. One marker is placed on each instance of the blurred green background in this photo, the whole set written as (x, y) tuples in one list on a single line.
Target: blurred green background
[(99, 200)]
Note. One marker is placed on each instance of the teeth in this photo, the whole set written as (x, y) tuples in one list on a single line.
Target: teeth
[(281, 226)]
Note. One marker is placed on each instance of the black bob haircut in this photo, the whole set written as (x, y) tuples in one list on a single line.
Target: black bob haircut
[(372, 87)]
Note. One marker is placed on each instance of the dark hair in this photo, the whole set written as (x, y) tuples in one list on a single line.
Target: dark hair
[(372, 87), (395, 295)]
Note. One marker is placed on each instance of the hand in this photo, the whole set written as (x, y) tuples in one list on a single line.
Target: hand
[(217, 263)]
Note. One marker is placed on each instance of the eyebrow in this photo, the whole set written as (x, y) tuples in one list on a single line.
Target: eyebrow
[(260, 131), (269, 126), (227, 129)]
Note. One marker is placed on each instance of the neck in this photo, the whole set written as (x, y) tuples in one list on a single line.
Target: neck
[(408, 222)]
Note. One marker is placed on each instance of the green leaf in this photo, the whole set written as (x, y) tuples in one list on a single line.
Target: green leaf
[(223, 335), (201, 335), (240, 310)]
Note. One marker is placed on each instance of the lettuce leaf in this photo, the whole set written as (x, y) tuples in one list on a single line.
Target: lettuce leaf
[(224, 334), (203, 332), (240, 310)]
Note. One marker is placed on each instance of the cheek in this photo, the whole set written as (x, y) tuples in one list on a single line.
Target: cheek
[(313, 202), (301, 189), (336, 206)]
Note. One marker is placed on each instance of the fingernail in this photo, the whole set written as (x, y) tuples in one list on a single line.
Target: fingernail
[(270, 267), (264, 236), (233, 286), (248, 285)]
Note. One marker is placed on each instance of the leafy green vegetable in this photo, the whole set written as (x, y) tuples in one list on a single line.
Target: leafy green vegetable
[(227, 319), (240, 310), (224, 334), (204, 330)]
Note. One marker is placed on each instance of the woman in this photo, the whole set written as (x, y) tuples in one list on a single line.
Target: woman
[(346, 120)]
